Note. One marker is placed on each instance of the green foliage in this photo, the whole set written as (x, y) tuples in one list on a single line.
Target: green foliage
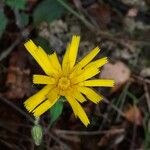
[(19, 4), (44, 44), (146, 124), (24, 19), (47, 10), (3, 23), (56, 110), (147, 141)]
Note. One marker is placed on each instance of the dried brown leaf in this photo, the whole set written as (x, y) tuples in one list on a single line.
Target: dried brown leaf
[(133, 114), (17, 79), (100, 13), (117, 71)]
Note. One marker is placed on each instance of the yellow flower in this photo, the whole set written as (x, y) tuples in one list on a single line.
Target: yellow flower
[(70, 80)]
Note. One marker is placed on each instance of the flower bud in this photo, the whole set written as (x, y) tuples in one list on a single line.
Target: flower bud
[(37, 134)]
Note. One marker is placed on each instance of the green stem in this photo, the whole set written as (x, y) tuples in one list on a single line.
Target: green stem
[(79, 16), (36, 121)]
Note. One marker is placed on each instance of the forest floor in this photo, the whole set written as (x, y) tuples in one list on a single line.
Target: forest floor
[(121, 29)]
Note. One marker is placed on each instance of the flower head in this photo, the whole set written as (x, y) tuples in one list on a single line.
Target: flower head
[(70, 80)]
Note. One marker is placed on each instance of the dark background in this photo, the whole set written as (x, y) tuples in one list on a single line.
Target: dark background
[(121, 28)]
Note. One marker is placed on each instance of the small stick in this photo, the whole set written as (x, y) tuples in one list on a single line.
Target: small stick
[(16, 108), (91, 133), (147, 96), (141, 79)]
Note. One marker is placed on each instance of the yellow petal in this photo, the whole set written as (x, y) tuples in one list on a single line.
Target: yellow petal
[(90, 94), (78, 96), (52, 98), (87, 73), (76, 72), (78, 110), (88, 58), (42, 79), (42, 108), (37, 98), (73, 104), (53, 94), (65, 62), (98, 63), (70, 55), (98, 82), (40, 56), (54, 61), (73, 50)]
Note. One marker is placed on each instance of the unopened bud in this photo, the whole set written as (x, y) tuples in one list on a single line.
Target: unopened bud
[(37, 134)]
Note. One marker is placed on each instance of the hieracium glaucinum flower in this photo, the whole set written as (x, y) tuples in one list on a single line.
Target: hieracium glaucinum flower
[(69, 79)]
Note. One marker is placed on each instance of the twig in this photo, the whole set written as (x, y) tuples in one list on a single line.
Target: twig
[(79, 16), (18, 19), (48, 132), (70, 137), (14, 137), (105, 34), (141, 79), (122, 98), (105, 119), (9, 145), (24, 34), (6, 123), (134, 135), (90, 133), (114, 107), (8, 50), (66, 147), (147, 96), (16, 108)]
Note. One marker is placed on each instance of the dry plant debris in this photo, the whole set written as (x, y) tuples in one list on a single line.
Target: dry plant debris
[(117, 71)]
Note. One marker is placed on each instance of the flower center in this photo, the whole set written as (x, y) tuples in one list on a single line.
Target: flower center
[(63, 83)]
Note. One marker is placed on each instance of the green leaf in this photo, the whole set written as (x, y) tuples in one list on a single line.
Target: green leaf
[(44, 44), (3, 22), (19, 4), (56, 110), (24, 19), (47, 10)]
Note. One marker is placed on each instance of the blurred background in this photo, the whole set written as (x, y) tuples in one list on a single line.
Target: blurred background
[(121, 28)]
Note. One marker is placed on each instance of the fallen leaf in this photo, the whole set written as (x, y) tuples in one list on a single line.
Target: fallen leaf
[(133, 114), (100, 13), (17, 80), (118, 72), (133, 12)]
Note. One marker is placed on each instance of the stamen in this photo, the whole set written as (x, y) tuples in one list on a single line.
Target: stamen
[(63, 83)]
